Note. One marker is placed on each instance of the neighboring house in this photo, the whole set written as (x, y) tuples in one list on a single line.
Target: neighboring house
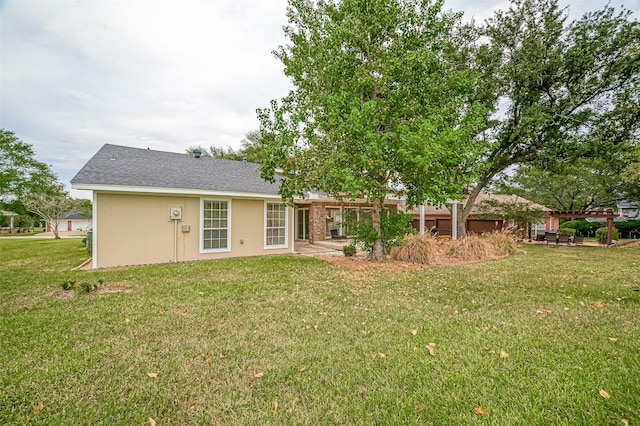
[(629, 210), (73, 222), (156, 207), (477, 222)]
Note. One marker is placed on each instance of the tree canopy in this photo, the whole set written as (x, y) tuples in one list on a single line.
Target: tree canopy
[(382, 101), (558, 90), (20, 172), (53, 206), (250, 149)]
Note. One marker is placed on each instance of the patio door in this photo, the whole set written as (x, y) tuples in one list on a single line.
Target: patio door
[(302, 224)]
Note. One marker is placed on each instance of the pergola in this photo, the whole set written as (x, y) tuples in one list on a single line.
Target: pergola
[(609, 215)]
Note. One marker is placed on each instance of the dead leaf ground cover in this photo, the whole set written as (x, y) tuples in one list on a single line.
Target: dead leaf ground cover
[(535, 338)]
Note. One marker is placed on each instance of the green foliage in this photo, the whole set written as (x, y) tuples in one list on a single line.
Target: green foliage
[(394, 227), (380, 102), (251, 149), (349, 250), (522, 213), (629, 228), (82, 288), (20, 172), (68, 285), (576, 185), (583, 227), (565, 91), (567, 231), (601, 235)]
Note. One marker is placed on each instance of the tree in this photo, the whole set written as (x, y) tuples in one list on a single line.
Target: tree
[(20, 172), (558, 91), (523, 214), (579, 185), (381, 102), (53, 206), (250, 149)]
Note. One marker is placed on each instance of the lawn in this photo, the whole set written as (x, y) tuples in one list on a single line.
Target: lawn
[(550, 336)]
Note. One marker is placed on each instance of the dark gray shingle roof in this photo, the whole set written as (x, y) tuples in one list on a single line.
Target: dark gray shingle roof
[(121, 165)]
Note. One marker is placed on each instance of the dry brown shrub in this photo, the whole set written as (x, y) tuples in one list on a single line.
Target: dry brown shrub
[(503, 242), (473, 247), (422, 249)]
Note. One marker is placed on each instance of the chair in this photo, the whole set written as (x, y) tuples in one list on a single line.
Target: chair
[(563, 239), (578, 240), (551, 237), (336, 236), (539, 238)]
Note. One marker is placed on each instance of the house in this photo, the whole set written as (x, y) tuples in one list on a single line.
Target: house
[(72, 222), (155, 207), (480, 219)]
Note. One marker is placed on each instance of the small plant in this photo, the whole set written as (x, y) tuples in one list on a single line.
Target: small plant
[(84, 288), (349, 250), (68, 285), (570, 232), (601, 235)]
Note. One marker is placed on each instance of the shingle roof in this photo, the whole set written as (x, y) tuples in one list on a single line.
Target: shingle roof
[(125, 166), (483, 196)]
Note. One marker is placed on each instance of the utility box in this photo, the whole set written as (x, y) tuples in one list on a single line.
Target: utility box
[(175, 213)]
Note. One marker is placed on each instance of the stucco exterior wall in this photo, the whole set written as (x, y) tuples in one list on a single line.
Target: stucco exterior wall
[(134, 229)]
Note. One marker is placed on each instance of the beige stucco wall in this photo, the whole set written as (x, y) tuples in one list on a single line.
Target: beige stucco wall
[(134, 229)]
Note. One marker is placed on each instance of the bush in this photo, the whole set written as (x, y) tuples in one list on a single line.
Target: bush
[(473, 247), (583, 227), (349, 250), (423, 249), (394, 227), (570, 232), (601, 235), (503, 243)]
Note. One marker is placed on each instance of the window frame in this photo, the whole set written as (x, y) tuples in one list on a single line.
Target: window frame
[(203, 229), (286, 227)]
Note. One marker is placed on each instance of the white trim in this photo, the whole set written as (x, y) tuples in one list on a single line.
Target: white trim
[(94, 231), (286, 227), (201, 248), (165, 190)]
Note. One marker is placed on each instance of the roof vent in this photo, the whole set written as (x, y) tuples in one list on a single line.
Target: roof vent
[(244, 160), (197, 153)]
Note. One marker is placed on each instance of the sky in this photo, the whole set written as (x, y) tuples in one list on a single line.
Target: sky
[(158, 74)]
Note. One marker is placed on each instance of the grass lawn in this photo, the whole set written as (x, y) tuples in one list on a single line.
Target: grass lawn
[(530, 339)]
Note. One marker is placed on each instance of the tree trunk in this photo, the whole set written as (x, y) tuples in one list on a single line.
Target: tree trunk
[(55, 230), (377, 252), (464, 213)]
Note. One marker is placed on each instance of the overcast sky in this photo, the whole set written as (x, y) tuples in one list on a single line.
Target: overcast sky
[(162, 74)]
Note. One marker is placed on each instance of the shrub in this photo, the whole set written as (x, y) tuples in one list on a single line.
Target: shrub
[(423, 249), (503, 243), (601, 235), (394, 227), (567, 231), (349, 250), (473, 247)]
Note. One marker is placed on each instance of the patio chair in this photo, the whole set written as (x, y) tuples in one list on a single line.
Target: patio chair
[(563, 239), (551, 237), (578, 240), (336, 236), (539, 238)]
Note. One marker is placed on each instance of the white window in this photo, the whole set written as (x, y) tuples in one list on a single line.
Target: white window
[(216, 226), (275, 225)]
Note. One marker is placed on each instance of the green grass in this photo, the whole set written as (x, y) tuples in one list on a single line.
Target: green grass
[(24, 234), (228, 338)]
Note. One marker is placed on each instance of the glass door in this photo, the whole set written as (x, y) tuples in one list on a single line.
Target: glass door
[(302, 224)]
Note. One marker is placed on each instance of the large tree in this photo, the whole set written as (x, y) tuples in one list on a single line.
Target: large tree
[(250, 149), (20, 172), (558, 90), (53, 206), (578, 185), (382, 101)]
